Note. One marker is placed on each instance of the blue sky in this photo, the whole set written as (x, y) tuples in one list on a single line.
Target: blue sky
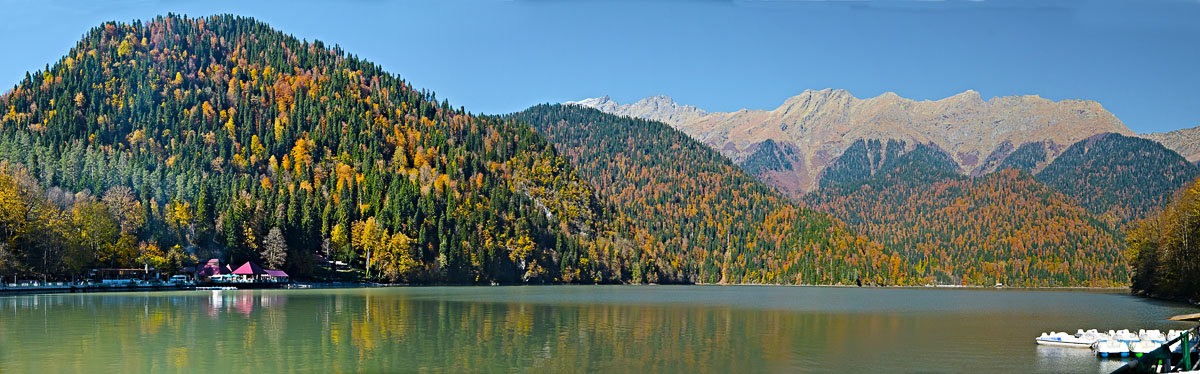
[(1140, 59)]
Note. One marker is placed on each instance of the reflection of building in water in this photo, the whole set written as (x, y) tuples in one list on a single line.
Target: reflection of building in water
[(243, 302)]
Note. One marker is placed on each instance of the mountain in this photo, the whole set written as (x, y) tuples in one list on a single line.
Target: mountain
[(1004, 227), (1184, 141), (157, 143), (817, 127), (702, 211), (660, 108), (1119, 177)]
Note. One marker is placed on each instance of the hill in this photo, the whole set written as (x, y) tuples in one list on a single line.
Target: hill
[(181, 138), (697, 209), (1004, 227), (1119, 177)]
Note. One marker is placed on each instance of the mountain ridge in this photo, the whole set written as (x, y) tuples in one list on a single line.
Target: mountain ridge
[(819, 125)]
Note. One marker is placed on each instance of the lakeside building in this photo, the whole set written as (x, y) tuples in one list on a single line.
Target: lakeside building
[(249, 273), (210, 268)]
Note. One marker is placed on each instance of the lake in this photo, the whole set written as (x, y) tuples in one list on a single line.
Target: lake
[(698, 329)]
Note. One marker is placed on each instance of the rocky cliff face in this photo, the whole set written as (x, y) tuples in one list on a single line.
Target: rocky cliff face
[(660, 108), (1184, 141), (816, 127)]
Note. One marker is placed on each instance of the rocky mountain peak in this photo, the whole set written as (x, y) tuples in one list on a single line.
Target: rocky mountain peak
[(968, 96), (659, 108)]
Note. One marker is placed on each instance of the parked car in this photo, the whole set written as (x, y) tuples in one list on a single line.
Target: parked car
[(178, 280)]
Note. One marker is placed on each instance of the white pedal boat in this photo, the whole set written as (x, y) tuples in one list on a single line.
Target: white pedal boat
[(1142, 347), (1123, 336), (1081, 339), (1111, 349), (1153, 336)]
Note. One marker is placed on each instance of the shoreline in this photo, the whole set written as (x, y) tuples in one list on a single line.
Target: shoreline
[(20, 291)]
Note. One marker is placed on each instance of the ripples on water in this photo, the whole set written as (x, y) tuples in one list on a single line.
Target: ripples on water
[(564, 329)]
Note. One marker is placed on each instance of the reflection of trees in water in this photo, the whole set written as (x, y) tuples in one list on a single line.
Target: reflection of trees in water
[(468, 336), (410, 330), (350, 332)]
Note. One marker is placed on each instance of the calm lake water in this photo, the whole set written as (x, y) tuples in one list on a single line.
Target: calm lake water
[(563, 329)]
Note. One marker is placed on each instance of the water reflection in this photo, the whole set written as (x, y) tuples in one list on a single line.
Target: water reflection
[(505, 329), (244, 303), (1072, 359)]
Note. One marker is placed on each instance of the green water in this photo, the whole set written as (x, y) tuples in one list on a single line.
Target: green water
[(563, 329)]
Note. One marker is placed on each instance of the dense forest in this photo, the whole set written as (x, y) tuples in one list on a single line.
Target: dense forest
[(768, 156), (1163, 248), (699, 211), (1004, 227), (865, 158), (1027, 157), (179, 139), (1119, 178)]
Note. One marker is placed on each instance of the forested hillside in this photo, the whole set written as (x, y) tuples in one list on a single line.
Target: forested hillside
[(1027, 157), (182, 138), (693, 207), (1120, 178), (1004, 227), (865, 158), (768, 157), (1163, 248)]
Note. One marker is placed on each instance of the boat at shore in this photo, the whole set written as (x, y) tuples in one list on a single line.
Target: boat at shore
[(1117, 343), (1142, 347), (1081, 339), (1111, 348), (1154, 336), (1123, 336)]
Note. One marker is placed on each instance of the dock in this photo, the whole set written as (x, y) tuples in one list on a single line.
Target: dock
[(68, 287)]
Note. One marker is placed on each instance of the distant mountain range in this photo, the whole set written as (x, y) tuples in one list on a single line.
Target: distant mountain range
[(935, 224), (811, 130), (1184, 141), (1018, 190)]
